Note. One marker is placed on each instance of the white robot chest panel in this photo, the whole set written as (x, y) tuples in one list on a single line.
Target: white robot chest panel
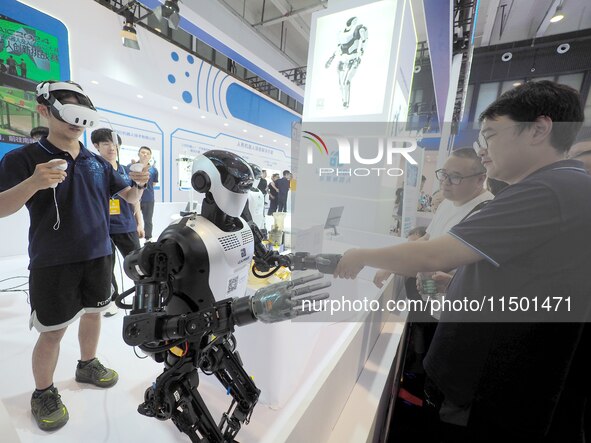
[(229, 254)]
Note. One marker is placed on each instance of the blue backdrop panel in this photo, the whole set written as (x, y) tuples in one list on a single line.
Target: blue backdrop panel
[(252, 108)]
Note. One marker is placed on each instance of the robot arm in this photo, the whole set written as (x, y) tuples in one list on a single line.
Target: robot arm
[(271, 261)]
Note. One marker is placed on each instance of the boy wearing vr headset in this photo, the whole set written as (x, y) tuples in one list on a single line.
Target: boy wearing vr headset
[(70, 260)]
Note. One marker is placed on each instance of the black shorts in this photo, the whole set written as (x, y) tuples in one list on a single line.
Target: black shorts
[(60, 294)]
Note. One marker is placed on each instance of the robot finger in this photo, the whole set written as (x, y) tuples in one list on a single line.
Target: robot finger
[(306, 279), (310, 288)]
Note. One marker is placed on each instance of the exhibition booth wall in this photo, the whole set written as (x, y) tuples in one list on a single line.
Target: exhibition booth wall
[(160, 96), (187, 106)]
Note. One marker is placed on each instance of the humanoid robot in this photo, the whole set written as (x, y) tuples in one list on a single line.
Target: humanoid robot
[(256, 200), (189, 296), (349, 51)]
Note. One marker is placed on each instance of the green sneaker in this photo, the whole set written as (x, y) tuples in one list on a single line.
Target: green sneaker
[(96, 374), (49, 411)]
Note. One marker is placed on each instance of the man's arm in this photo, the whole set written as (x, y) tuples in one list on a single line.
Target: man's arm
[(445, 252), (133, 194), (139, 220), (14, 198)]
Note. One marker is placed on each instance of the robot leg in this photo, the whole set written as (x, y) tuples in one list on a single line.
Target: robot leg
[(348, 75), (220, 359), (175, 396)]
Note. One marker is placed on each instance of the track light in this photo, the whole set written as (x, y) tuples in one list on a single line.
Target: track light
[(129, 33), (169, 11), (558, 15), (129, 36)]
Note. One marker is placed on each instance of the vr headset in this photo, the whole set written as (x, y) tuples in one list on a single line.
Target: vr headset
[(77, 115)]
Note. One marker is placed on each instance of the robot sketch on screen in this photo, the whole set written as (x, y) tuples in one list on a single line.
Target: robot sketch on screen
[(190, 294), (350, 48)]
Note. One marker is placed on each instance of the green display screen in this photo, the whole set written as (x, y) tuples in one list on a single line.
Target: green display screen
[(28, 52)]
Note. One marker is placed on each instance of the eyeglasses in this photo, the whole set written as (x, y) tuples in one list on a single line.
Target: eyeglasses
[(481, 142), (453, 179)]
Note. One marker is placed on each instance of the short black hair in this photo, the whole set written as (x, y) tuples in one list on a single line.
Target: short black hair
[(286, 172), (63, 94), (103, 135), (527, 102), (144, 147), (39, 131), (470, 154)]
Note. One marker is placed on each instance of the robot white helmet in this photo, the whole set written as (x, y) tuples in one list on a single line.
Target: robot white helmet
[(226, 176), (351, 22)]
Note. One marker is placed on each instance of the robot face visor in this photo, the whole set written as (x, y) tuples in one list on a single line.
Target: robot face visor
[(235, 173)]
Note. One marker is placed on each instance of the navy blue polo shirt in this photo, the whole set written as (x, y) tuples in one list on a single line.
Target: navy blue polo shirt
[(123, 222), (535, 241), (82, 199)]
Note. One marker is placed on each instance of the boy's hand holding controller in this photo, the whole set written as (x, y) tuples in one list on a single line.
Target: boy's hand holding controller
[(50, 174), (139, 174)]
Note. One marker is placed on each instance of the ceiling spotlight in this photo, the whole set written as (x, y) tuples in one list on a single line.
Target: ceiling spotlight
[(244, 130), (274, 140), (517, 84), (169, 11), (129, 35), (563, 48), (202, 116), (226, 124), (175, 107), (261, 135), (94, 82), (558, 15), (139, 96)]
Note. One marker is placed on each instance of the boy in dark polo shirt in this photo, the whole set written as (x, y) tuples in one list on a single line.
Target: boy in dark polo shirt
[(69, 245), (125, 221), (517, 370)]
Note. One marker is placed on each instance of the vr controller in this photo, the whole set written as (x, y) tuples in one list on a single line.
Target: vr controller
[(136, 167), (59, 166)]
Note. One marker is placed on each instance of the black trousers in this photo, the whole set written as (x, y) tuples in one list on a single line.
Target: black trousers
[(125, 243), (272, 206), (282, 203), (148, 212)]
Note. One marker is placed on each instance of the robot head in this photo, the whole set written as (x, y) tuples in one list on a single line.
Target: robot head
[(351, 22), (82, 114), (226, 176)]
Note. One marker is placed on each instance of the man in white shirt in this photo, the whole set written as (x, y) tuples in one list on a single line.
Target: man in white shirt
[(462, 184)]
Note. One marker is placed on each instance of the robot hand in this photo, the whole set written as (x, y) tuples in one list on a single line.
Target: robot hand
[(329, 61), (282, 301)]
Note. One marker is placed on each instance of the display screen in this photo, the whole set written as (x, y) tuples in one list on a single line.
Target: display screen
[(350, 60), (27, 57), (28, 52)]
